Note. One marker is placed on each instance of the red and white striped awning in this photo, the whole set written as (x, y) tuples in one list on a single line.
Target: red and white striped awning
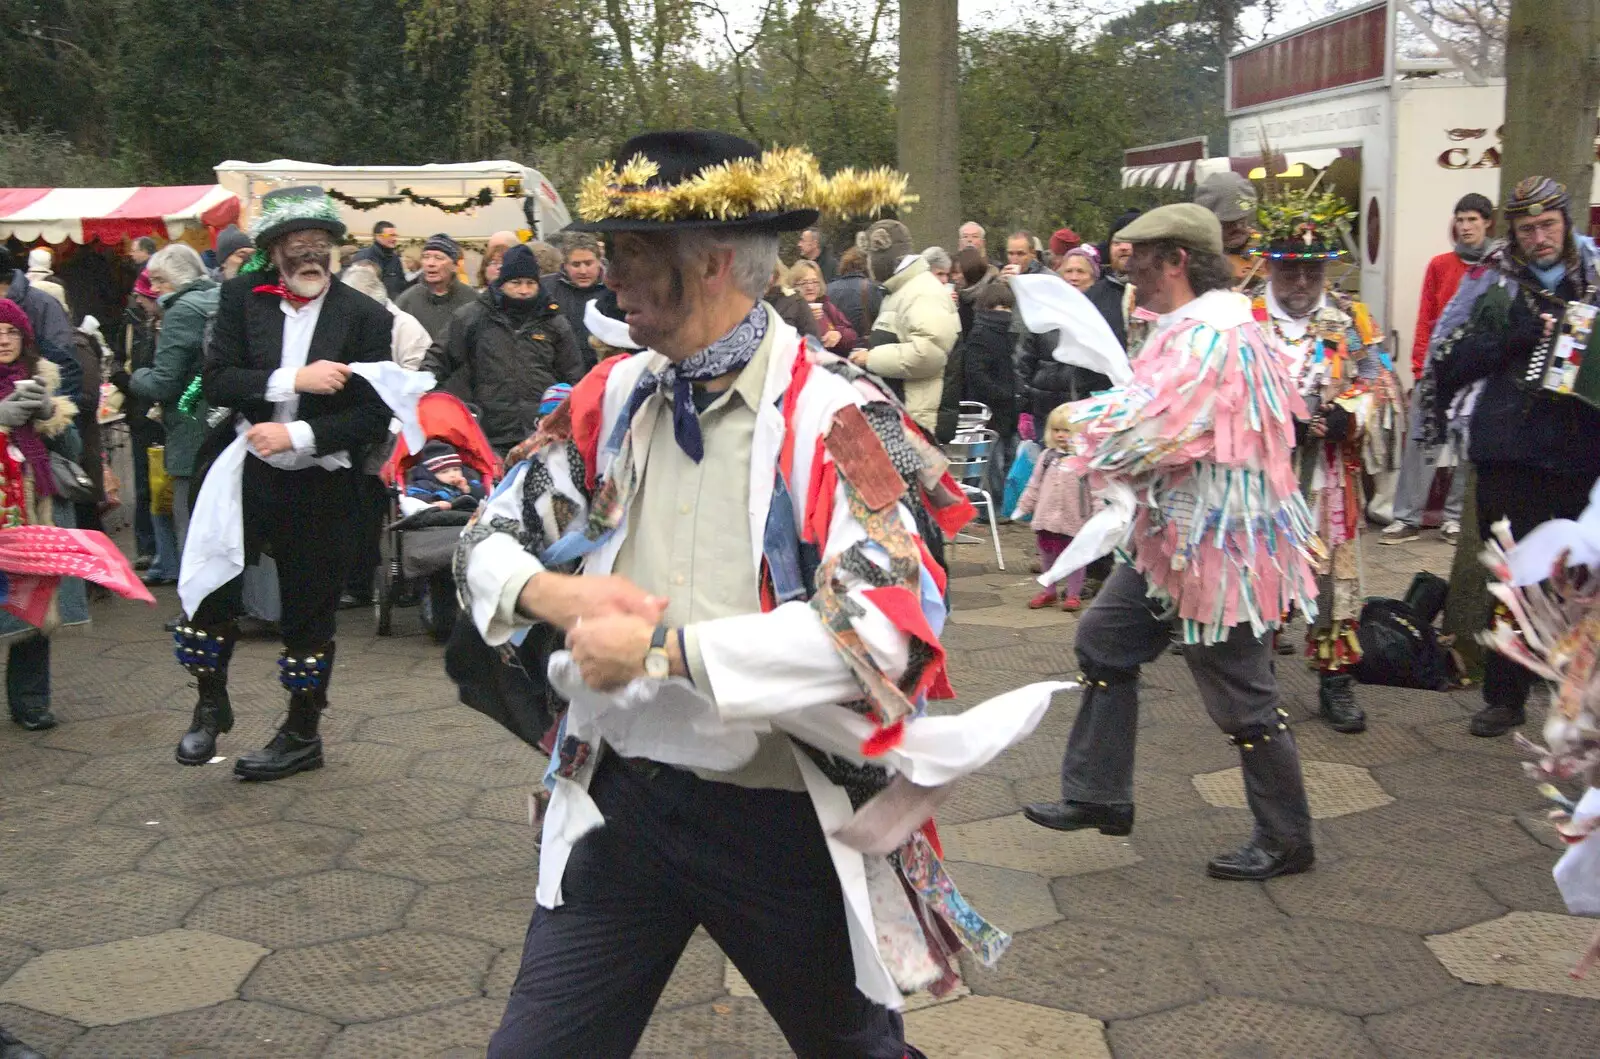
[(111, 215)]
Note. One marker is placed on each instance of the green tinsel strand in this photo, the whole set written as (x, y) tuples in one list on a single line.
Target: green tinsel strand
[(258, 262), (191, 397)]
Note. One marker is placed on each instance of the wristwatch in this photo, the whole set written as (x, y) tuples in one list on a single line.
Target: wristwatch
[(657, 666)]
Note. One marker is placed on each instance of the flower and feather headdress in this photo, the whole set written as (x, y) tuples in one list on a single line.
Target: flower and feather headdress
[(1301, 225)]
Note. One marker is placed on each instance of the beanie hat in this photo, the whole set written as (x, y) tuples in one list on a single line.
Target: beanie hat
[(885, 243), (518, 263), (142, 286), (436, 456), (11, 313), (39, 259), (1536, 194), (553, 397), (230, 241), (1064, 239), (444, 244)]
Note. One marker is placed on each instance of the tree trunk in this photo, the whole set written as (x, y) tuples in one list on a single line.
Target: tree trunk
[(927, 122), (1552, 95)]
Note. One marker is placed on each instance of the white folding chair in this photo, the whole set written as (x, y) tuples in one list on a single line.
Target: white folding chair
[(969, 456), (972, 416)]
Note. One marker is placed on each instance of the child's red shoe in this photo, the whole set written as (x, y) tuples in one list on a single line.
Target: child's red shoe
[(1047, 598), (1072, 603)]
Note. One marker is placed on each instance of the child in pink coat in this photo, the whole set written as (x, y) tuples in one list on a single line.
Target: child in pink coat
[(1060, 503)]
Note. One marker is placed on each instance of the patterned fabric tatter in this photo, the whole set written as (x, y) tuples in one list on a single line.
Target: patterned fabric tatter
[(925, 874)]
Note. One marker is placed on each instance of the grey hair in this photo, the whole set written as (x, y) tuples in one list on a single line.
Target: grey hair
[(175, 263), (936, 257), (974, 224), (363, 277), (755, 255)]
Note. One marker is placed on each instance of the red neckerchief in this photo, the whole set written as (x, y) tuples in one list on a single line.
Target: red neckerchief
[(285, 293)]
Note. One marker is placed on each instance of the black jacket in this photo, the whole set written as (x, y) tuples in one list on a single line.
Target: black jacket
[(987, 374), (247, 347), (794, 310), (52, 330), (858, 298), (390, 268), (1512, 424), (503, 370), (1106, 294), (1046, 382), (574, 300)]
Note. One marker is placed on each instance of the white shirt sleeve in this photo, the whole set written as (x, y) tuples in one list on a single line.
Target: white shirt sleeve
[(280, 384), (302, 437)]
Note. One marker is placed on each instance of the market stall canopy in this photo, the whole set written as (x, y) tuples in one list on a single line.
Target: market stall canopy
[(1184, 174), (111, 215)]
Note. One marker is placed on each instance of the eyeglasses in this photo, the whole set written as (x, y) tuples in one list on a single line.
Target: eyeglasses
[(1543, 225), (9, 334)]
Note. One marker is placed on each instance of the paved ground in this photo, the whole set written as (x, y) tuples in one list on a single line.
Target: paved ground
[(375, 909)]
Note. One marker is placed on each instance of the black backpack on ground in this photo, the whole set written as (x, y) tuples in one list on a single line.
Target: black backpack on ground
[(1398, 649)]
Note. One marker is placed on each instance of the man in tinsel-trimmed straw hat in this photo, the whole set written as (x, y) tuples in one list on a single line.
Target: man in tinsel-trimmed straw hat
[(302, 422), (1534, 448), (729, 526), (1355, 422)]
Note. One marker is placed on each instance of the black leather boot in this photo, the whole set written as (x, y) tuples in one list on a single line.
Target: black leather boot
[(1336, 698), (205, 654), (297, 747)]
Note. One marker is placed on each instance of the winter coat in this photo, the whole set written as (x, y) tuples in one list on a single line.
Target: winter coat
[(502, 369), (434, 311), (858, 299), (390, 268), (834, 320), (52, 329), (915, 331), (140, 335), (1056, 496), (967, 298), (180, 356), (409, 340), (41, 510), (794, 311), (1107, 294), (46, 282), (1512, 425), (1439, 285), (1046, 382), (574, 301), (987, 373)]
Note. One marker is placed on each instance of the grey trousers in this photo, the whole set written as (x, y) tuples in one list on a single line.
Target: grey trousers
[(1416, 478), (1120, 632)]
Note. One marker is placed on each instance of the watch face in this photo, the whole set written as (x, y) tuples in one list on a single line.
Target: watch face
[(656, 665)]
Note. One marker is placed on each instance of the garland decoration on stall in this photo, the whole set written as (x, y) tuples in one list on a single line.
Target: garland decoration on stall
[(484, 197)]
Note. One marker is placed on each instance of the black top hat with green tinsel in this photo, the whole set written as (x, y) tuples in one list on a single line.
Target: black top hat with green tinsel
[(1299, 225), (288, 210)]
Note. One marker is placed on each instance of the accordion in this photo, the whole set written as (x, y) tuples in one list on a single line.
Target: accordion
[(1561, 364)]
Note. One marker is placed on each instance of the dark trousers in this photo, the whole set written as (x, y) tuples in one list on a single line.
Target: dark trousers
[(1120, 632), (374, 504), (142, 434), (678, 852), (28, 675), (303, 519), (1525, 497)]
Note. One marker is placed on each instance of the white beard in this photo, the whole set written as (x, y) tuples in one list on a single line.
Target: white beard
[(305, 286)]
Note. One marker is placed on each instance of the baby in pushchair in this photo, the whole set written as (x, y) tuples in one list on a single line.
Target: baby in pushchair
[(440, 479)]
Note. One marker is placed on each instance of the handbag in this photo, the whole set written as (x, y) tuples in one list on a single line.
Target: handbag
[(160, 482), (72, 484)]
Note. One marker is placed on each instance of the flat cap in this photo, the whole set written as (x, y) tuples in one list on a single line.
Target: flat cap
[(1185, 223), (1230, 196)]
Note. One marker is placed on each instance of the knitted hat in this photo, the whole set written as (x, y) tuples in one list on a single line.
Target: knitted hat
[(1536, 194), (1064, 239), (445, 245), (11, 313), (299, 209), (39, 259), (518, 263), (553, 397), (143, 287), (436, 456), (230, 241), (1088, 254), (885, 243)]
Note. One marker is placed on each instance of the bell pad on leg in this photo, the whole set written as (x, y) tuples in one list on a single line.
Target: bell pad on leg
[(1248, 737), (305, 673), (201, 652)]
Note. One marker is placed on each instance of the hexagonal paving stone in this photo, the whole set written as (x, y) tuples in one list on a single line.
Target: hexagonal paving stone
[(1165, 897), (121, 981), (1038, 753), (147, 771), (1380, 744), (1484, 1022), (355, 765), (1521, 950), (1233, 1027), (46, 1034), (1538, 825), (197, 810), (1416, 898), (48, 808), (461, 1030), (1350, 967), (1015, 842), (1451, 735), (378, 977), (978, 797), (306, 909), (95, 910), (234, 1029), (1195, 838), (267, 851), (1027, 659), (108, 735), (1012, 900), (446, 852), (731, 1027), (1186, 749), (491, 908), (384, 806), (13, 956), (1104, 972), (1462, 779), (993, 1026), (25, 768), (506, 763), (1524, 885), (447, 729), (1333, 790), (61, 856), (700, 976), (1437, 834)]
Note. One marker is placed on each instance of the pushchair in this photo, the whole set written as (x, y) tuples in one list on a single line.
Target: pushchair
[(418, 549)]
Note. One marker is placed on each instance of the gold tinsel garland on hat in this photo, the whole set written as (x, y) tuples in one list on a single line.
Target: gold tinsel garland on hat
[(784, 179)]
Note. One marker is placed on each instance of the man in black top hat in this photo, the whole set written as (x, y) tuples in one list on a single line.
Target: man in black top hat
[(285, 337)]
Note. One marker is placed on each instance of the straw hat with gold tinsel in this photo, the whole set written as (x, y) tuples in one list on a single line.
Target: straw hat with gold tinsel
[(710, 180), (1301, 225)]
